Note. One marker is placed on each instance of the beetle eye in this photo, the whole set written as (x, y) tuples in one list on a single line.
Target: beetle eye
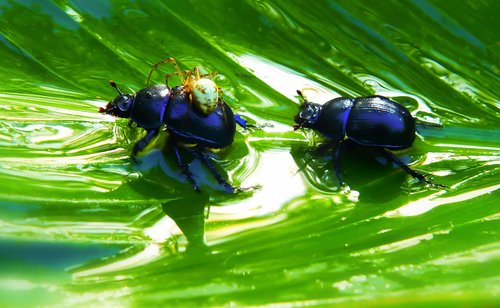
[(306, 113)]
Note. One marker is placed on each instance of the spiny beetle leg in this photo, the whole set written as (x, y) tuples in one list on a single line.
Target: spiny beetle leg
[(199, 152), (324, 147), (413, 173), (143, 143), (184, 169), (240, 121), (337, 154)]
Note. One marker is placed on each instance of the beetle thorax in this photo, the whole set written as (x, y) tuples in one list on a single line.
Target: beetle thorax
[(205, 94)]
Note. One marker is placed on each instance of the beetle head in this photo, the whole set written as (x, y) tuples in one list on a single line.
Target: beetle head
[(308, 113), (121, 106)]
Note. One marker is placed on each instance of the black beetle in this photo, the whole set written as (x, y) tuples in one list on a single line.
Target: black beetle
[(212, 125), (373, 121), (215, 130), (146, 108)]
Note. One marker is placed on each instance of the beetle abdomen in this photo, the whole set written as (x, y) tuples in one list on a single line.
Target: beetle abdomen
[(215, 130), (149, 106), (378, 121)]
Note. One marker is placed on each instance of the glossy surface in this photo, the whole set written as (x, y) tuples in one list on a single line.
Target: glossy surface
[(368, 121), (378, 121), (333, 119), (149, 106), (82, 226), (215, 130)]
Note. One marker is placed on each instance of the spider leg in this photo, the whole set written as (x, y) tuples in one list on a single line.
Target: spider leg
[(190, 96), (209, 75), (222, 104), (154, 67), (196, 71), (180, 74)]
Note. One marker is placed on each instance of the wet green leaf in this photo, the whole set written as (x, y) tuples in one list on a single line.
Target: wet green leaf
[(82, 225)]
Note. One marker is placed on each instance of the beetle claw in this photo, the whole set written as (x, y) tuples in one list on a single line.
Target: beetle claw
[(229, 189), (134, 159), (426, 180), (246, 189)]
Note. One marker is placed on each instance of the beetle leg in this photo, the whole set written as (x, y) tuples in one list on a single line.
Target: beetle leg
[(184, 169), (242, 122), (408, 170), (324, 147), (320, 150), (206, 160), (143, 143), (337, 153)]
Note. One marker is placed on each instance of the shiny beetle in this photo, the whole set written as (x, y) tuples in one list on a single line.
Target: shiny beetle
[(146, 108), (210, 124), (215, 130), (373, 121)]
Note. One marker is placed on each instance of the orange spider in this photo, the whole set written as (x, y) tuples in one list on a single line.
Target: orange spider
[(203, 92)]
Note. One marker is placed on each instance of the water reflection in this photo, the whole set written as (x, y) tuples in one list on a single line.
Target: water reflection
[(183, 228), (283, 79), (369, 177), (378, 241), (188, 212), (423, 205)]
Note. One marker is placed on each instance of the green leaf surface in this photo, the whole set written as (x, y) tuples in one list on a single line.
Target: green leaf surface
[(81, 225)]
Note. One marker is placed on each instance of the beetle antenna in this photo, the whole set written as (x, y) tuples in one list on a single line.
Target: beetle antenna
[(114, 85), (301, 95), (302, 98)]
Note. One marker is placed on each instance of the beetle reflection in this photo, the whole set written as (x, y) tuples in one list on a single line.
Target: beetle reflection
[(372, 175), (162, 179)]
